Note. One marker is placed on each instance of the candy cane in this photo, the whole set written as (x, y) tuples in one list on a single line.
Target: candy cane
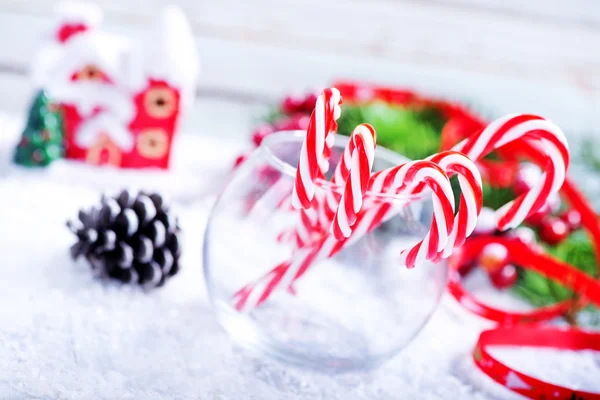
[(356, 174), (318, 218), (443, 205), (406, 176), (313, 162), (251, 295), (311, 220), (369, 219), (549, 137), (471, 198)]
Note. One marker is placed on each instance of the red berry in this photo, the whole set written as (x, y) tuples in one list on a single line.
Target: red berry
[(572, 218), (553, 230), (260, 133), (493, 257), (536, 218), (308, 104), (292, 104), (505, 277)]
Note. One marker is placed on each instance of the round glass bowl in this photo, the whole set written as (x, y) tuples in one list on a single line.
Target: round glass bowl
[(354, 310)]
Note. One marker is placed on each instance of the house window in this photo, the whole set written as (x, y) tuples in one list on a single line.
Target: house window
[(160, 103), (153, 143)]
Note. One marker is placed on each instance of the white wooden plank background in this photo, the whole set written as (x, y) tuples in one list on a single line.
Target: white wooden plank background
[(502, 56), (538, 40)]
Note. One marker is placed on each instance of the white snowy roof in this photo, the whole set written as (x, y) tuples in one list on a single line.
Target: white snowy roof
[(101, 49), (167, 51), (50, 52)]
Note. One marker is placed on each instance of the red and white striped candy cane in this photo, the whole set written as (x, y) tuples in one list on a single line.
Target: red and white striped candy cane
[(311, 220), (547, 136), (499, 133), (313, 162), (318, 218), (369, 219), (410, 175), (471, 197), (254, 294), (356, 172), (406, 176)]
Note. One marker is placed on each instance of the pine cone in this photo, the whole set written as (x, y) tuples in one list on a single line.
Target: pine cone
[(132, 237)]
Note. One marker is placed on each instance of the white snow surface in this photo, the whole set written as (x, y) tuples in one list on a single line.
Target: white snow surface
[(65, 334)]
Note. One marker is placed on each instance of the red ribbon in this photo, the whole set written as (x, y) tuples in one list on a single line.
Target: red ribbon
[(521, 383), (508, 334)]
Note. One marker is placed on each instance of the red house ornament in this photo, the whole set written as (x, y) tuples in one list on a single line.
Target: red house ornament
[(122, 98)]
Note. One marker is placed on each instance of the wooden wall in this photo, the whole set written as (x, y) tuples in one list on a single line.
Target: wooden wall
[(500, 56)]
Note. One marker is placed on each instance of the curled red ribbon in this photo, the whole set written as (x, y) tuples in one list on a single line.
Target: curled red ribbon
[(512, 331), (521, 383)]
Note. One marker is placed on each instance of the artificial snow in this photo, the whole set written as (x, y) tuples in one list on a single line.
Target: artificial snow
[(65, 334)]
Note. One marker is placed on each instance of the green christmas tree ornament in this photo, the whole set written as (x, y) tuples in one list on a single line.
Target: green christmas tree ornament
[(42, 139)]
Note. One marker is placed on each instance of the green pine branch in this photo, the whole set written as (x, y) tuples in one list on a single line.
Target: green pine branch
[(414, 133), (538, 290)]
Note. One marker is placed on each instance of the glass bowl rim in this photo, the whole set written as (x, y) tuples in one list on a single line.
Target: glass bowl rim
[(289, 170)]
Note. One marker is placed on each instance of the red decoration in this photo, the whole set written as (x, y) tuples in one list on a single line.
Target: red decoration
[(67, 31), (121, 101), (494, 257), (521, 383), (553, 230), (572, 218), (504, 277), (537, 218), (524, 255), (293, 104)]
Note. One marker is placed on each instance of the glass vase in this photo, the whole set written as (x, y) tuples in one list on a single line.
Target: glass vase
[(352, 310)]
